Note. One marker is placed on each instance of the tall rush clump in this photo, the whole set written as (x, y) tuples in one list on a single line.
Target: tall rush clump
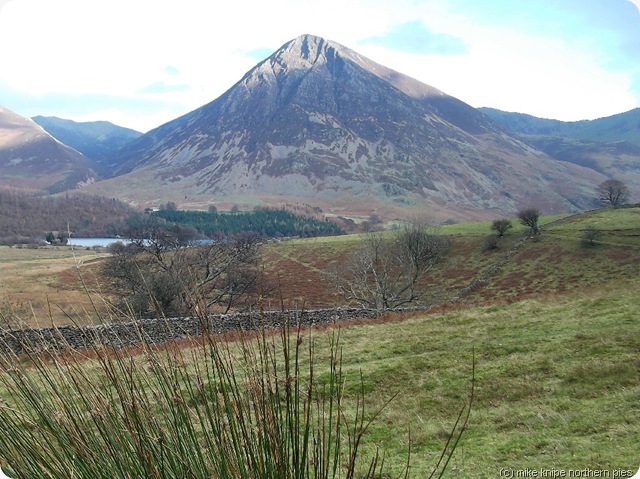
[(251, 408)]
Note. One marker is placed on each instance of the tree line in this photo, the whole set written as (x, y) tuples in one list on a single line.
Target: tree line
[(28, 217), (263, 222), (164, 269)]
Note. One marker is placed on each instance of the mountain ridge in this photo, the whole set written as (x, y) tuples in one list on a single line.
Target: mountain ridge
[(33, 159), (609, 145), (96, 140), (317, 122), (623, 126)]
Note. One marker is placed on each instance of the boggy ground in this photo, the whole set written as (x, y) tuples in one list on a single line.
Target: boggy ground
[(44, 285)]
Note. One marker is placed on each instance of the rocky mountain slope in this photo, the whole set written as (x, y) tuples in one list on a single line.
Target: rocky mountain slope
[(318, 123), (94, 139), (31, 158)]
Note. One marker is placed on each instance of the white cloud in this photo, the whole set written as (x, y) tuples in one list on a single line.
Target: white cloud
[(516, 69)]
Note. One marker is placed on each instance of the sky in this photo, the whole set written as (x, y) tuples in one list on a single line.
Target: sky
[(141, 63)]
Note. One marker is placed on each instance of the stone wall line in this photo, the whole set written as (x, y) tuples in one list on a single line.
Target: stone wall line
[(131, 333)]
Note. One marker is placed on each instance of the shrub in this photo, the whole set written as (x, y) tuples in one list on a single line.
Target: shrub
[(491, 243), (590, 236), (501, 226), (529, 217)]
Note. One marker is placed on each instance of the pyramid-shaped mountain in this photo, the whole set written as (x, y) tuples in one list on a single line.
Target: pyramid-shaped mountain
[(31, 158), (319, 123)]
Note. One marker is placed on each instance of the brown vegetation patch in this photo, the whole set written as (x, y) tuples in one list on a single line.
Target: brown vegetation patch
[(292, 282), (79, 278)]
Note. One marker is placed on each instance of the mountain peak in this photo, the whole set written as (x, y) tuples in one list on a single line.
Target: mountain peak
[(32, 158), (307, 47), (302, 53), (318, 120), (310, 51)]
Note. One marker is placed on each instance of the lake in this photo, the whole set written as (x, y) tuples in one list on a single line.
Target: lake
[(90, 242)]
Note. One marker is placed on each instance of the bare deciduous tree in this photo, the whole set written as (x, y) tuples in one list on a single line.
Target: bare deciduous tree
[(614, 192), (223, 273), (164, 272), (501, 226), (529, 217), (385, 270)]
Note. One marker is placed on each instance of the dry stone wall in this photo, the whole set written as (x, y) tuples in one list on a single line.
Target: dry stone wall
[(163, 330)]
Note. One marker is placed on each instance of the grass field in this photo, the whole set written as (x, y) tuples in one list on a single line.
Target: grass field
[(556, 262), (41, 286), (553, 336), (557, 383)]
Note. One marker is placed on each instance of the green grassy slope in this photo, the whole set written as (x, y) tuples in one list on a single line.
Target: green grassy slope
[(554, 263), (557, 383), (557, 345), (559, 261), (556, 335)]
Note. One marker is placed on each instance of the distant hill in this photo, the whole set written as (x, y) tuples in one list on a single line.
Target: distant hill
[(29, 215), (31, 158), (610, 145), (616, 128), (319, 123), (97, 140)]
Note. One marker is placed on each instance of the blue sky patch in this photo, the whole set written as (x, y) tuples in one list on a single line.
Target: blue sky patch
[(260, 54), (171, 70), (415, 37)]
